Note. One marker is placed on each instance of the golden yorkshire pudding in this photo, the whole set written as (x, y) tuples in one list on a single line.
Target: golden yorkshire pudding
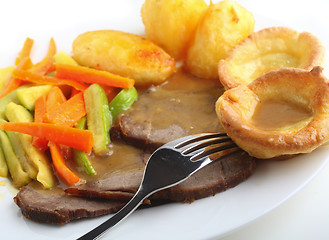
[(269, 49), (282, 112)]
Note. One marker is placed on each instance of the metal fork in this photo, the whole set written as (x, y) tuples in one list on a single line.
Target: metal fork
[(170, 165)]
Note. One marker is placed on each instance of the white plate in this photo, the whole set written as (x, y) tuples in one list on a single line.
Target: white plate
[(209, 218)]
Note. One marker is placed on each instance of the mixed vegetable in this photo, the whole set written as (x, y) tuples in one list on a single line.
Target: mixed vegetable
[(60, 107)]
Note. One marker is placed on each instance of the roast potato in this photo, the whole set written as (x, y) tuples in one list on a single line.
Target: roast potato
[(222, 26), (171, 23), (124, 54)]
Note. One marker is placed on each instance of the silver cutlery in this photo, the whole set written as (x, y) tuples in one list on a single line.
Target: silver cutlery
[(170, 165)]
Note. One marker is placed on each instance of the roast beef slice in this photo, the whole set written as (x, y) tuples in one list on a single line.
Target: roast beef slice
[(210, 180), (55, 206), (164, 114)]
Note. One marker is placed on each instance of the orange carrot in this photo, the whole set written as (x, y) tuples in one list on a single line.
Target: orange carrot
[(25, 64), (39, 112), (25, 52), (55, 133), (66, 152), (14, 83), (110, 92), (61, 168), (43, 79), (55, 98), (74, 92), (10, 86), (69, 112), (22, 62), (40, 108), (57, 114), (40, 143), (51, 69), (46, 64), (89, 75)]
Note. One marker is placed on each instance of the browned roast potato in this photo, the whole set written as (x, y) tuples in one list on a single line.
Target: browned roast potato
[(222, 26), (124, 54), (171, 23)]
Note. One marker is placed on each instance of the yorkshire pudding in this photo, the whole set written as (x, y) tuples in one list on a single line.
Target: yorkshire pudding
[(282, 112), (269, 49)]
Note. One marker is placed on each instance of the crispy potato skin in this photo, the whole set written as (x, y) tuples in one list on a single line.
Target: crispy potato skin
[(222, 26), (124, 54), (171, 23)]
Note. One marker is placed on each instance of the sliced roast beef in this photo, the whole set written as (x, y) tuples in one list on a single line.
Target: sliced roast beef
[(210, 180), (182, 107), (54, 206), (110, 194)]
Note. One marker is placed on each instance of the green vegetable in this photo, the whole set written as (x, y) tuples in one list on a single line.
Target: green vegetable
[(99, 118), (17, 113), (3, 164), (81, 157), (5, 74), (123, 101), (28, 96), (11, 97), (20, 154), (19, 177)]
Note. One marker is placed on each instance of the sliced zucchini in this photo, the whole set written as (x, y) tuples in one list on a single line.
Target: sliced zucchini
[(3, 164), (19, 177), (17, 113), (28, 96), (99, 119), (11, 97), (123, 101), (81, 157)]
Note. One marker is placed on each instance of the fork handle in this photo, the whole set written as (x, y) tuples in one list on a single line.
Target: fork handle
[(118, 217)]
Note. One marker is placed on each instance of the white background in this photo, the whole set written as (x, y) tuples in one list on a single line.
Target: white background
[(303, 216)]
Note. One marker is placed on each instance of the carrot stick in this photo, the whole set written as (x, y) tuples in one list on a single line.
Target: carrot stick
[(14, 83), (11, 85), (110, 92), (55, 133), (61, 168), (74, 92), (25, 64), (69, 112), (66, 152), (43, 79), (89, 75), (39, 112), (25, 52), (40, 108), (55, 98), (22, 62), (46, 64)]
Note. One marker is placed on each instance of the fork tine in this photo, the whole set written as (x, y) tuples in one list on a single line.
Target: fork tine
[(204, 144), (212, 150), (217, 155), (200, 138)]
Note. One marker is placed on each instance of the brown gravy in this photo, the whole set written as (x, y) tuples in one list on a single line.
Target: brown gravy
[(164, 110), (184, 103), (274, 115), (123, 157)]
